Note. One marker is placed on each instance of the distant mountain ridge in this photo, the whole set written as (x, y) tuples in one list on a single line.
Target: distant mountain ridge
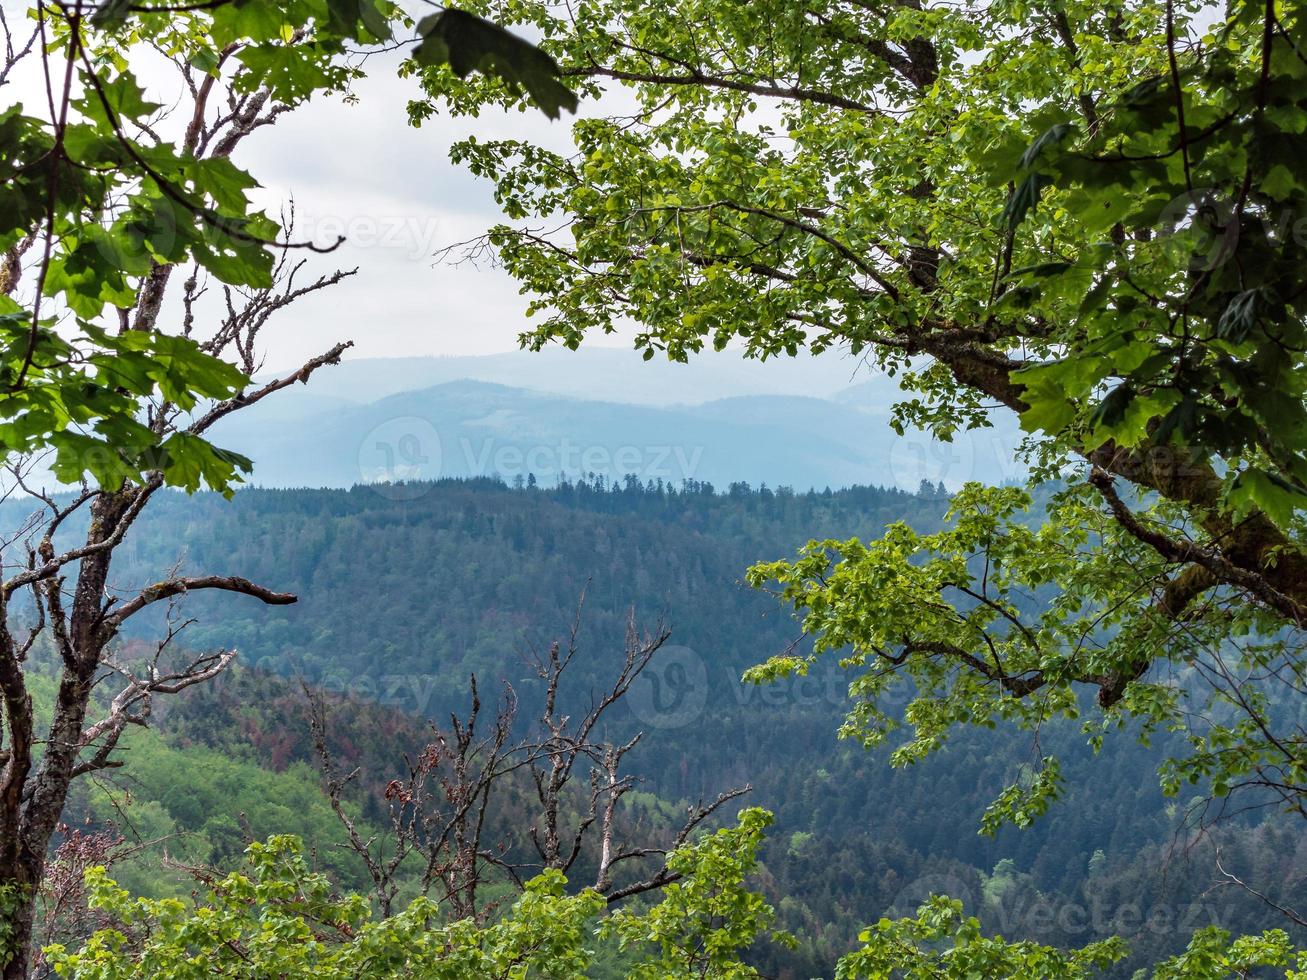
[(603, 374), (721, 419), (467, 428)]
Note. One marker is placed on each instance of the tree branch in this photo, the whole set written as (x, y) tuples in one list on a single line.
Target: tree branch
[(180, 586)]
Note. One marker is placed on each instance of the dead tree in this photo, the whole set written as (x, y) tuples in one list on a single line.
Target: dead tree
[(437, 810), (440, 812), (64, 913), (566, 742)]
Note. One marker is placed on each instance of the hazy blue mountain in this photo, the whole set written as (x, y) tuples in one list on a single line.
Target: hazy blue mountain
[(603, 374), (719, 419), (471, 428)]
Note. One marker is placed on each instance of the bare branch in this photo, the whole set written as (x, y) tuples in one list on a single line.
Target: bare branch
[(244, 400), (180, 586)]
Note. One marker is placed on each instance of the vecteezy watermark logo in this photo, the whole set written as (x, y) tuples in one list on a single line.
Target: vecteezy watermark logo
[(396, 454), (671, 691), (414, 236), (550, 461)]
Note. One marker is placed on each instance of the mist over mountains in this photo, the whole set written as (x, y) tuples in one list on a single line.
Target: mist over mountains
[(603, 374), (808, 423)]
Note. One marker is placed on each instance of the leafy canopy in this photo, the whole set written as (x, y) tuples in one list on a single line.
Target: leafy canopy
[(279, 918), (1083, 213), (105, 204)]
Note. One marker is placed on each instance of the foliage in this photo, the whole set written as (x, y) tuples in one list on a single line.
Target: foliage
[(108, 203), (466, 43), (280, 918), (106, 194), (1189, 310), (941, 943), (986, 199), (708, 918), (509, 565), (894, 178), (926, 602), (1212, 955), (11, 899)]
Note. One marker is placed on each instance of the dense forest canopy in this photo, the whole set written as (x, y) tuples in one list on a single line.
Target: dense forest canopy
[(1068, 211), (1080, 213), (508, 566)]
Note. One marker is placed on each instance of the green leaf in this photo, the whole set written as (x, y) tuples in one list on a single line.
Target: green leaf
[(1280, 183), (1025, 198), (468, 43), (189, 462), (110, 12), (1238, 319), (1111, 411), (1051, 137), (1182, 421), (1041, 270), (1275, 497)]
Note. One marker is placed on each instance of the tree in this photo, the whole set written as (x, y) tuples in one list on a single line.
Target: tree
[(281, 919), (980, 198), (439, 809), (111, 205), (795, 175), (941, 943)]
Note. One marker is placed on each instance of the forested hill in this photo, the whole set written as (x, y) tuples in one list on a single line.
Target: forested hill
[(434, 581), (407, 590)]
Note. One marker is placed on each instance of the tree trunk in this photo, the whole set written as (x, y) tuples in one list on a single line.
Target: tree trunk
[(32, 803), (19, 882)]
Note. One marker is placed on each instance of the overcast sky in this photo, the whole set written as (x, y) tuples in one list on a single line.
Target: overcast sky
[(357, 168), (360, 170)]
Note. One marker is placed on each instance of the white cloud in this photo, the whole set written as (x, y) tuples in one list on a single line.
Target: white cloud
[(360, 169)]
